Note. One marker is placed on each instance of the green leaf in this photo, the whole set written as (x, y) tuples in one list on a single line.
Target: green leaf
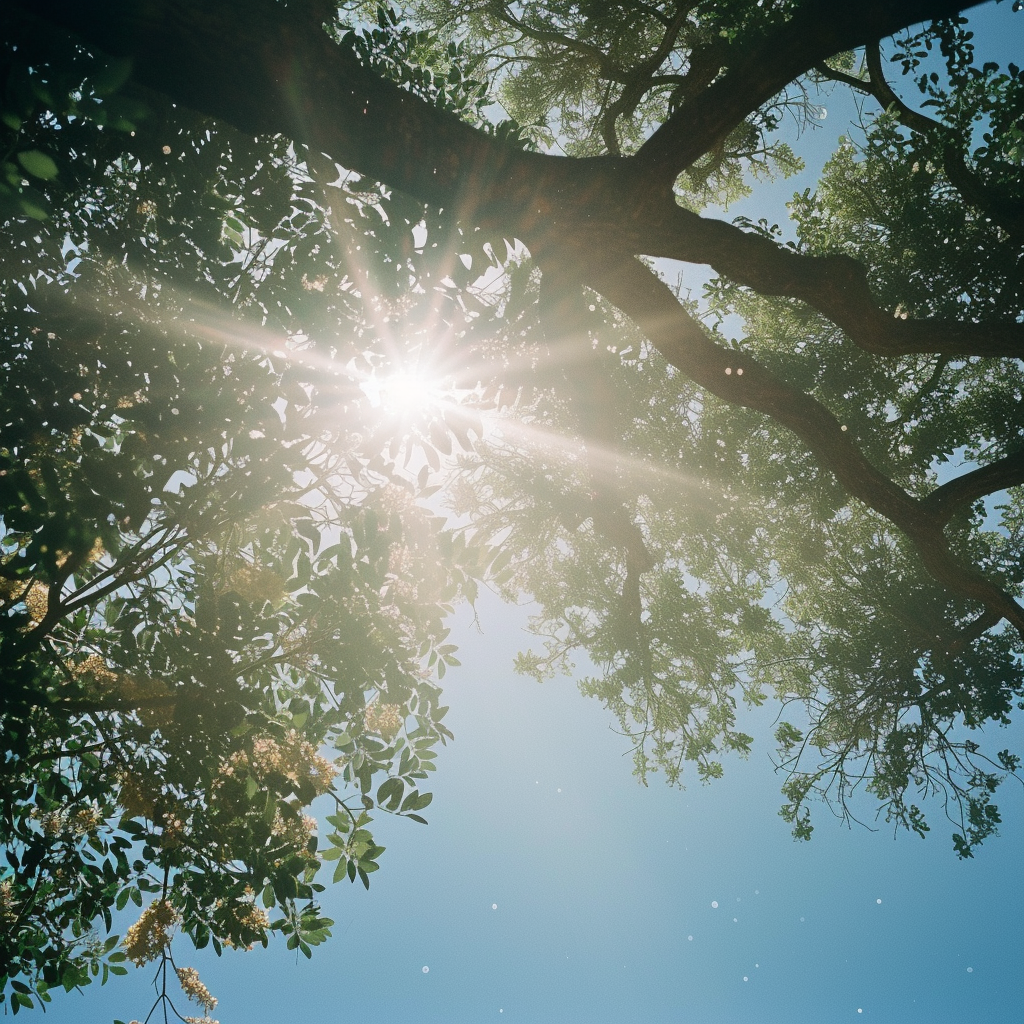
[(109, 78), (390, 793), (38, 164)]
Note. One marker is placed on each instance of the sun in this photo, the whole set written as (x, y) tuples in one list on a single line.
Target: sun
[(409, 392), (406, 394)]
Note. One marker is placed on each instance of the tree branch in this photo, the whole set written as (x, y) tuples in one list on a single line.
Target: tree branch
[(835, 285), (641, 80), (817, 30), (824, 71), (267, 71), (1008, 471), (737, 378), (880, 89), (609, 69), (263, 69), (653, 11)]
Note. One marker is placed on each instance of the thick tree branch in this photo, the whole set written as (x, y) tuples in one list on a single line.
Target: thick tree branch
[(1008, 471), (737, 378), (836, 286), (817, 30), (267, 71)]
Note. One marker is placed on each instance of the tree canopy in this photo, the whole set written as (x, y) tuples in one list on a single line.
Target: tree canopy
[(273, 274)]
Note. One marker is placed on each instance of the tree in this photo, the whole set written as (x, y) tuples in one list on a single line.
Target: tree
[(708, 517), (208, 571)]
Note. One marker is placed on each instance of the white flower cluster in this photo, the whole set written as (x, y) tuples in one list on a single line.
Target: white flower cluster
[(8, 910), (195, 989)]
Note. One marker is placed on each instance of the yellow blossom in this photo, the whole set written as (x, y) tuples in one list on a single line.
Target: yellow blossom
[(252, 917), (140, 691), (37, 601), (384, 719), (53, 823), (255, 584), (148, 937), (86, 821), (295, 832), (8, 911), (295, 758), (95, 670), (173, 822), (194, 989)]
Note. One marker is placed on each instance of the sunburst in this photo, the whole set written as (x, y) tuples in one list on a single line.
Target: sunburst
[(408, 394)]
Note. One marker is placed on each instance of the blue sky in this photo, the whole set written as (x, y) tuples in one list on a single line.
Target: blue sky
[(599, 884), (605, 891)]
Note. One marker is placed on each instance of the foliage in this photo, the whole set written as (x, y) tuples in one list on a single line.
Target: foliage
[(218, 562), (592, 78), (766, 578), (211, 570)]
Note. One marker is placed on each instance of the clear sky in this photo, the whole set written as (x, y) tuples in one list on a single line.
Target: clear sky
[(550, 886), (606, 894)]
